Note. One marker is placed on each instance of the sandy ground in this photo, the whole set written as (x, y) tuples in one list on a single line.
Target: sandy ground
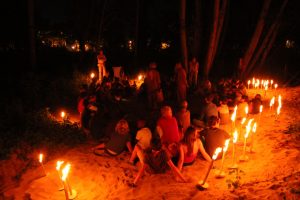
[(272, 172)]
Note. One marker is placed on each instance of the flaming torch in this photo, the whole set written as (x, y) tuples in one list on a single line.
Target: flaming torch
[(249, 83), (41, 156), (58, 166), (63, 115), (92, 75), (233, 116), (272, 103), (69, 192), (201, 185), (234, 140), (220, 173), (260, 111), (244, 157), (252, 136)]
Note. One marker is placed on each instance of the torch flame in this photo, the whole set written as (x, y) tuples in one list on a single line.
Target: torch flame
[(279, 100), (246, 110), (272, 101), (276, 85), (260, 108), (249, 82), (140, 77), (271, 82), (65, 172), (62, 114), (248, 128), (41, 158), (58, 165), (226, 145), (254, 127), (234, 114), (217, 151), (92, 75), (235, 136), (243, 120), (278, 110)]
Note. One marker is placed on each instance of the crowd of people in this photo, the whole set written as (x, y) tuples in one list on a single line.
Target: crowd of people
[(165, 133)]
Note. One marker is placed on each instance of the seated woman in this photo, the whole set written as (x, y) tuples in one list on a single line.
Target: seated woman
[(189, 148), (157, 160), (119, 139)]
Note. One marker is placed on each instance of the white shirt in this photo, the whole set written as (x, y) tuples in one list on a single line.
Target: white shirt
[(144, 137)]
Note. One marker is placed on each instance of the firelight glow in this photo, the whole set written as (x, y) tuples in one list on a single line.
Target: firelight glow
[(226, 145), (235, 136), (41, 157), (62, 114), (217, 151), (65, 172), (58, 164)]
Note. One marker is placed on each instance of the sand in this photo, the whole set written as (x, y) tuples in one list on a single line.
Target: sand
[(272, 172)]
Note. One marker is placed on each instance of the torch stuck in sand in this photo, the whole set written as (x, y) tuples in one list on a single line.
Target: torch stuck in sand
[(220, 173), (69, 192)]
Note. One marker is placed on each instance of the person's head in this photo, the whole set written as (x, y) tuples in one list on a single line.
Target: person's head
[(209, 98), (213, 121), (258, 96), (189, 138), (122, 127), (183, 105), (166, 111)]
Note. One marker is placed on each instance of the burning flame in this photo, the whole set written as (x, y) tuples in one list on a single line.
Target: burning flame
[(243, 120), (254, 127), (278, 110), (271, 82), (276, 85), (217, 151), (235, 136), (58, 164), (140, 77), (63, 114), (41, 158), (279, 100), (260, 108), (234, 114), (272, 101), (246, 110), (65, 172), (92, 75), (249, 82), (226, 145), (248, 128)]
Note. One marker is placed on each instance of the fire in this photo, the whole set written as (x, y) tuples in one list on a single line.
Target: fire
[(140, 77), (92, 75), (272, 101), (217, 151), (59, 164), (248, 128), (235, 136), (243, 120), (234, 114), (246, 110), (254, 127), (226, 145), (278, 110), (65, 172), (62, 114), (276, 85), (260, 108), (249, 82), (279, 100), (41, 158)]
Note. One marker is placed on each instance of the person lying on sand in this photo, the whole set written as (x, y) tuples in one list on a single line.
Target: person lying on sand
[(119, 139), (157, 160), (189, 148)]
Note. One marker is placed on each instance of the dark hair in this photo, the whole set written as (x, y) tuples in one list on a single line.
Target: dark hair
[(212, 121), (187, 139)]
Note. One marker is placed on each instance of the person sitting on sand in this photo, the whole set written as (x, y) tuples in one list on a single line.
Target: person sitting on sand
[(143, 137), (157, 160), (189, 148), (255, 104), (213, 136), (183, 117), (119, 139)]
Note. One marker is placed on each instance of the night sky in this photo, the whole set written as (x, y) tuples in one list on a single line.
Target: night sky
[(158, 21)]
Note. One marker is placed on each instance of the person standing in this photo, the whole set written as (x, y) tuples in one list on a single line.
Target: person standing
[(153, 85), (193, 73), (181, 82), (101, 65)]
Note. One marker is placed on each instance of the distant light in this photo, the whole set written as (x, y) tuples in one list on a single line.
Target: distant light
[(289, 43), (164, 45)]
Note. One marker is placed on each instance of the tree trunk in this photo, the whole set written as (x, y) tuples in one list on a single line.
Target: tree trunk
[(184, 51), (31, 34), (212, 40), (256, 36), (268, 40), (197, 33)]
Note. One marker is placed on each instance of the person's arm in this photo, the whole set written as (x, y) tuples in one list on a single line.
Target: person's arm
[(203, 152), (128, 144), (176, 170), (181, 158), (140, 173), (159, 131)]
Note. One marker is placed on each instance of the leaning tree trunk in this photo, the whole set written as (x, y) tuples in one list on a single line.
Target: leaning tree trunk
[(256, 36), (220, 28), (212, 40), (184, 50), (268, 41)]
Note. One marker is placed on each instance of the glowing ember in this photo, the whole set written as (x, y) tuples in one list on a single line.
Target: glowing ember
[(217, 151), (65, 172), (41, 158)]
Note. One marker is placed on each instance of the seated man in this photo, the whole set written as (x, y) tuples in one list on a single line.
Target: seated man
[(213, 136)]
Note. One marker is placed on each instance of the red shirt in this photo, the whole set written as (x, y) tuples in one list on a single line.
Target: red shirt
[(170, 130)]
